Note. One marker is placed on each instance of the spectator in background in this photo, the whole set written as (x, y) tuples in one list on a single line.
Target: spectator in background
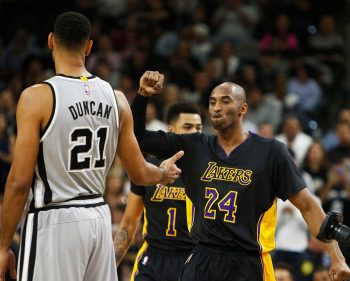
[(335, 195), (201, 45), (105, 53), (293, 137), (330, 138), (19, 49), (283, 272), (226, 62), (104, 71), (266, 130), (183, 65), (172, 95), (248, 76), (307, 89), (290, 101), (328, 47), (8, 106), (6, 149), (115, 188), (234, 20), (281, 40), (316, 165), (263, 108), (341, 152), (152, 121)]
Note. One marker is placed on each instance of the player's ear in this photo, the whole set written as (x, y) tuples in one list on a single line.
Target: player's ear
[(50, 40), (88, 47), (243, 109)]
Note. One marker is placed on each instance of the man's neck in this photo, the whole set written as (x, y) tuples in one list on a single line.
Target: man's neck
[(70, 65), (231, 138)]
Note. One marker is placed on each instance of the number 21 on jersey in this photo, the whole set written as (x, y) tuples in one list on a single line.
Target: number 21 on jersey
[(83, 140)]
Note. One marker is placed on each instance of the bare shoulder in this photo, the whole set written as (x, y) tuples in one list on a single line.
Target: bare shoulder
[(121, 99), (37, 100), (38, 94)]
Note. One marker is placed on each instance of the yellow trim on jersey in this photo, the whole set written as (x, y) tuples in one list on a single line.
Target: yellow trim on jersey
[(268, 273), (266, 229), (189, 213), (137, 260), (145, 223)]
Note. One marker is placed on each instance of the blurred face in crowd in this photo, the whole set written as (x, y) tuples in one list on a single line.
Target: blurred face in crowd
[(291, 128), (282, 274), (316, 153), (343, 133), (266, 130)]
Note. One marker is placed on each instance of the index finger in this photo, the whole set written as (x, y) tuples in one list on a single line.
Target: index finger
[(178, 155)]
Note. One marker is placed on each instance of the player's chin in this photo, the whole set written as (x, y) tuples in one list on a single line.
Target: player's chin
[(217, 125)]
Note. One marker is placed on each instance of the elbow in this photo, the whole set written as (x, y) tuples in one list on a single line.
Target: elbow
[(17, 185)]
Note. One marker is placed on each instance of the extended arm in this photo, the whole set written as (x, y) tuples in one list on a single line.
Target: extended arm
[(128, 225), (314, 216), (139, 171)]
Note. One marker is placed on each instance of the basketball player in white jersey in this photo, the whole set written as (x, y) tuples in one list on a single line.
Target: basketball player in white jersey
[(69, 130)]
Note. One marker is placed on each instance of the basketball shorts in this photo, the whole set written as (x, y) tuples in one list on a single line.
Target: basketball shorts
[(70, 243), (154, 265), (207, 263)]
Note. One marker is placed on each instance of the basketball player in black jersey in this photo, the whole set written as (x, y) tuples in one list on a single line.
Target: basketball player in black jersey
[(233, 179), (167, 241), (67, 232)]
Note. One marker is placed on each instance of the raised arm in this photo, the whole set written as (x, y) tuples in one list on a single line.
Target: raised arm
[(128, 225), (157, 143), (314, 216), (139, 171)]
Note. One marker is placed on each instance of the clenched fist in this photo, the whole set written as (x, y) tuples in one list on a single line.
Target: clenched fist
[(151, 83)]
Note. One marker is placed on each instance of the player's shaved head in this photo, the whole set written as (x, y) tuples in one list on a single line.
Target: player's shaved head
[(232, 89)]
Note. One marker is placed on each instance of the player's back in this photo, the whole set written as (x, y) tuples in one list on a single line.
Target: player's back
[(79, 143)]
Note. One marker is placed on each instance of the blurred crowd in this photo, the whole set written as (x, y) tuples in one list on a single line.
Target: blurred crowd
[(289, 55)]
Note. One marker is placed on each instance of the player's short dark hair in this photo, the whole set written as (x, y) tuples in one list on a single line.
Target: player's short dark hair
[(181, 107), (72, 29)]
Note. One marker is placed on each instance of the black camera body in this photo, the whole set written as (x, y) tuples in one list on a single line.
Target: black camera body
[(333, 228)]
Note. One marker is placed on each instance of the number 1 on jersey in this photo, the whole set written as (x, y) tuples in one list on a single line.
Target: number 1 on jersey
[(171, 231)]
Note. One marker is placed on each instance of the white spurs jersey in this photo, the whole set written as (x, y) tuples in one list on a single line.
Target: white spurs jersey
[(79, 144)]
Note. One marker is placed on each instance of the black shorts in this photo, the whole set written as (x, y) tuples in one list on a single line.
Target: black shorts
[(155, 265), (207, 263)]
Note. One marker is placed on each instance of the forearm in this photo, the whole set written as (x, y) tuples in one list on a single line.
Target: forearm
[(138, 108), (12, 211), (314, 216), (123, 239)]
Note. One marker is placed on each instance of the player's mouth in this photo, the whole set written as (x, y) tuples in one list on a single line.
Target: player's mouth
[(216, 116)]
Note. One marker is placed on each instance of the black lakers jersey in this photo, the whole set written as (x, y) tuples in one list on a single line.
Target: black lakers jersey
[(165, 222), (235, 196)]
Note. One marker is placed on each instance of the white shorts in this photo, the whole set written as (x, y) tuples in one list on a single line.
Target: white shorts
[(68, 243)]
